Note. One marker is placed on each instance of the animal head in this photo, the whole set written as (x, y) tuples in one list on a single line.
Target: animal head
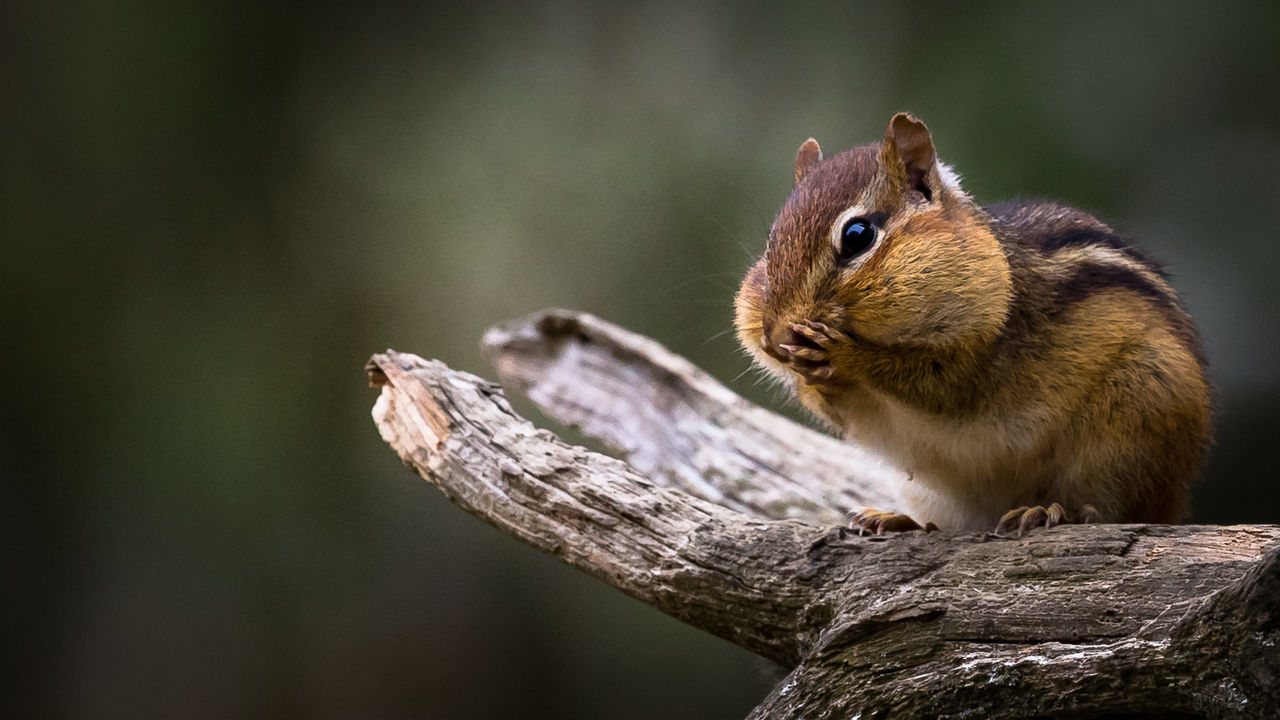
[(879, 242)]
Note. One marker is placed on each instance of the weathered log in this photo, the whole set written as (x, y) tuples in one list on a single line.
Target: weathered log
[(681, 554), (1075, 621), (676, 424)]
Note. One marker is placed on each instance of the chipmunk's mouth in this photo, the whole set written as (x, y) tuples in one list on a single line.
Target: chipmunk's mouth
[(773, 342)]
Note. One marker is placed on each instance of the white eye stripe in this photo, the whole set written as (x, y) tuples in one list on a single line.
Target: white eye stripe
[(837, 228)]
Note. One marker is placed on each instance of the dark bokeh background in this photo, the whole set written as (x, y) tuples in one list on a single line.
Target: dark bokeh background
[(214, 212)]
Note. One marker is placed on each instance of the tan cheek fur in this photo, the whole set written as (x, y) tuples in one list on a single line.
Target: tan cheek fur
[(748, 319), (935, 281)]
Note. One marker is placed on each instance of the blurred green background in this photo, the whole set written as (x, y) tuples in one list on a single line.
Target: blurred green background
[(214, 212)]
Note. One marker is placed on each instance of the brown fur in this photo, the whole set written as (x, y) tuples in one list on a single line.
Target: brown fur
[(1021, 354)]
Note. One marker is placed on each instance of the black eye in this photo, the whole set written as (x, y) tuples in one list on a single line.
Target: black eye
[(856, 237)]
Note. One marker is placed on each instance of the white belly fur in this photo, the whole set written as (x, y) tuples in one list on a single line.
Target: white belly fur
[(963, 474)]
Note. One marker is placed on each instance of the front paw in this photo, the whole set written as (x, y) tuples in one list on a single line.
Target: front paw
[(809, 351), (878, 522)]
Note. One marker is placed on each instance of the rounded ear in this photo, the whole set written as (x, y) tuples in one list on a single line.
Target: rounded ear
[(909, 156), (807, 158)]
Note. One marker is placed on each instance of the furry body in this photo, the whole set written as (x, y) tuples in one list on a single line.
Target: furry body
[(1015, 355)]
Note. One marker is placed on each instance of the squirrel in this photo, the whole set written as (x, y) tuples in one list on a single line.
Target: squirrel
[(1022, 362)]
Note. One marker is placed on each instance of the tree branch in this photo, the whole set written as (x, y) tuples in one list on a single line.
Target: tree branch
[(679, 426), (709, 566), (1079, 620)]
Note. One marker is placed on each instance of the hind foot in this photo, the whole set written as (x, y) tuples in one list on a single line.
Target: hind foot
[(877, 522), (1024, 518)]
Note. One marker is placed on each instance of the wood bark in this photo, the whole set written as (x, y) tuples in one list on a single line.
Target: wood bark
[(727, 517)]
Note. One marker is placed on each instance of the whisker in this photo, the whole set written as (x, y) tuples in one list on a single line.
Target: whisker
[(701, 278), (754, 202), (718, 335), (732, 235)]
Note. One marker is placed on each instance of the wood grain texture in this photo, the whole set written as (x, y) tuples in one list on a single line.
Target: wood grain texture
[(1073, 622), (680, 426)]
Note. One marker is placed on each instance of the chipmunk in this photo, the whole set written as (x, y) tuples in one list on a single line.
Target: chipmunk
[(1021, 361)]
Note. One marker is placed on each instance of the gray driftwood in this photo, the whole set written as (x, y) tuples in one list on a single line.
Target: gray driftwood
[(726, 517)]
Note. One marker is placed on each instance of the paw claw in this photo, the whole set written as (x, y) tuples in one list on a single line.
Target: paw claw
[(1031, 519), (817, 333), (876, 522), (1054, 515), (809, 352), (1025, 519), (1010, 520), (804, 352), (1088, 515)]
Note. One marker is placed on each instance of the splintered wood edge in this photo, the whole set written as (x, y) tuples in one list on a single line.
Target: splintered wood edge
[(377, 378), (404, 396)]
